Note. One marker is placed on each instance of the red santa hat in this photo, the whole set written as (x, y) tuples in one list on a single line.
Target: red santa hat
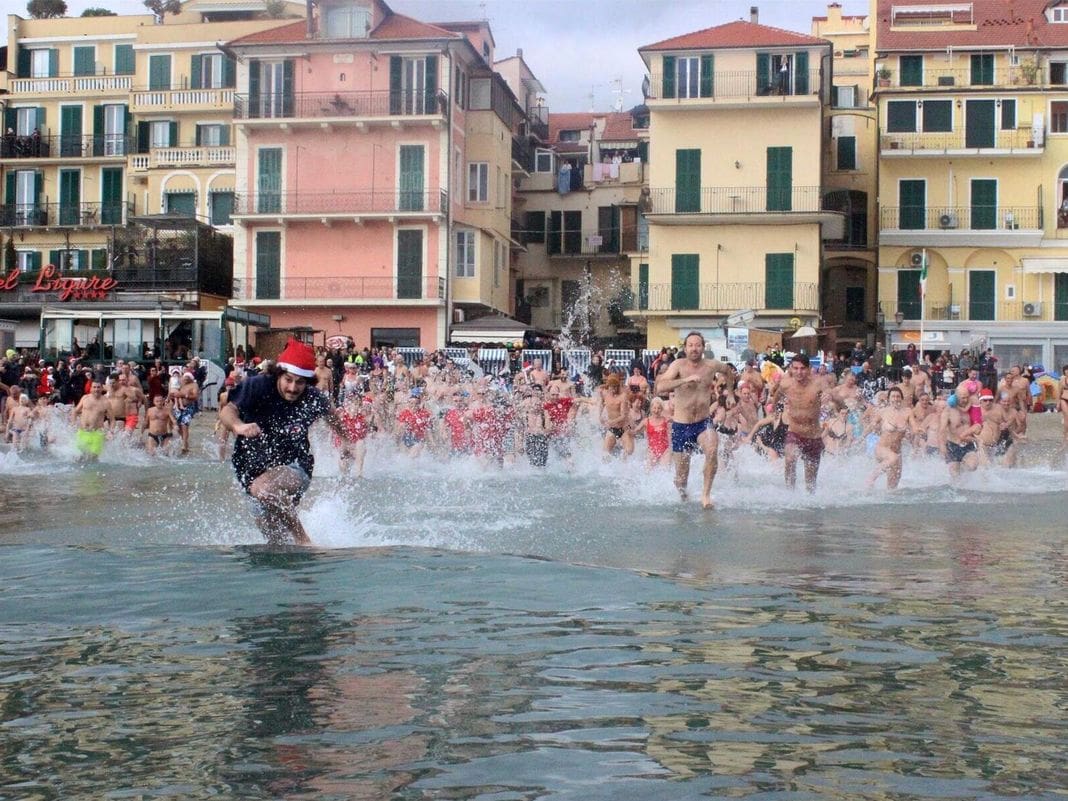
[(297, 358)]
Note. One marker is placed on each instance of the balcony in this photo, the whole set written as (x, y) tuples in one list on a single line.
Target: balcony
[(204, 156), (538, 122), (734, 87), (628, 172), (960, 143), (182, 100), (742, 205), (1023, 76), (72, 85), (725, 298), (941, 310), (522, 156), (333, 289), (355, 108), (589, 243), (341, 205), (64, 215), (1008, 226), (64, 146)]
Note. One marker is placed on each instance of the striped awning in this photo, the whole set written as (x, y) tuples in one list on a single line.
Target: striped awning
[(1031, 265)]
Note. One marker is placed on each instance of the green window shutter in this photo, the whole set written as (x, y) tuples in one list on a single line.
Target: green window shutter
[(984, 204), (268, 264), (83, 259), (24, 60), (159, 72), (142, 137), (763, 76), (1008, 114), (55, 259), (41, 124), (901, 116), (937, 116), (982, 300), (287, 88), (229, 73), (253, 88), (908, 293), (911, 70), (643, 286), (572, 232), (124, 59), (668, 65), (99, 259), (431, 84), (222, 208), (982, 69), (780, 178), (196, 135), (396, 85), (687, 181), (707, 71), (111, 205), (53, 63), (534, 227), (38, 187), (196, 71), (779, 281), (801, 73), (224, 137), (409, 263), (411, 179), (685, 281), (1060, 297), (979, 123), (552, 245), (10, 193), (172, 135), (85, 60), (10, 119), (847, 152), (269, 180), (35, 261), (912, 199)]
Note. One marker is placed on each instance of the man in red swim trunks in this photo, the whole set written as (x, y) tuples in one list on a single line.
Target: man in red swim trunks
[(804, 398)]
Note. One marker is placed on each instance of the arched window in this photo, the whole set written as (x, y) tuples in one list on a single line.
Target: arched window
[(854, 205)]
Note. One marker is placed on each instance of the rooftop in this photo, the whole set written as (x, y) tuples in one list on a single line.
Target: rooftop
[(734, 35)]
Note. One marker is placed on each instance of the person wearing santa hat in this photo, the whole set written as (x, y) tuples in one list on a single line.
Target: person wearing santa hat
[(270, 414)]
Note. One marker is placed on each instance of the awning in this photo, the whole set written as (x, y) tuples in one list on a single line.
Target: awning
[(245, 317), (1031, 265), (491, 328)]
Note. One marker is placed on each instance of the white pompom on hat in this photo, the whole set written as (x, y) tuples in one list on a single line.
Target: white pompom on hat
[(297, 358)]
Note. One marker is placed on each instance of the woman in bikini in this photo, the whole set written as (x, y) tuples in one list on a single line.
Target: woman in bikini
[(893, 422)]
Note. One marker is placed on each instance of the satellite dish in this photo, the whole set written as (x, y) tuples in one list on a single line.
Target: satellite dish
[(795, 322), (740, 318)]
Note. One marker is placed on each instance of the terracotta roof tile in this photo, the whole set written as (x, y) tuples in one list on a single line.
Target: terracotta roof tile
[(575, 121), (619, 126), (290, 32), (1021, 23), (398, 26), (736, 34)]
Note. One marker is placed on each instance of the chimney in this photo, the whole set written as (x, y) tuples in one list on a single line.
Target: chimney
[(754, 14), (519, 52)]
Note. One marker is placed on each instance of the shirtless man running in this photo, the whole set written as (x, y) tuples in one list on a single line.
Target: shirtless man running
[(692, 378), (92, 414), (804, 397)]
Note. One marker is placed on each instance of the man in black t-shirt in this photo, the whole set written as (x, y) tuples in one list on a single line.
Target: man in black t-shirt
[(270, 415)]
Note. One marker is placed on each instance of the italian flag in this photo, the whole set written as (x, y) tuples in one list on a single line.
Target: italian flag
[(923, 276)]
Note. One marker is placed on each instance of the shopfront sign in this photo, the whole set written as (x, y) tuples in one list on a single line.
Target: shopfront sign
[(91, 287)]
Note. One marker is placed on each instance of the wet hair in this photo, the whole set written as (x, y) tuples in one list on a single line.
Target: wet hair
[(697, 334), (892, 390)]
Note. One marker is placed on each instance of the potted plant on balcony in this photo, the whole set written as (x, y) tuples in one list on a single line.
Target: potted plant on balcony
[(882, 76), (1029, 71)]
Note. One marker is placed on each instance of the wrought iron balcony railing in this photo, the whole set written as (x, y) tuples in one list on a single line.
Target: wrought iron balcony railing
[(735, 84), (310, 105), (963, 218), (63, 146), (907, 142), (800, 297), (333, 287), (376, 201), (82, 215), (734, 200)]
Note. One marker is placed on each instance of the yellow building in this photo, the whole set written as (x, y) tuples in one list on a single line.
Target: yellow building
[(108, 119), (973, 177), (735, 200), (581, 225), (849, 281)]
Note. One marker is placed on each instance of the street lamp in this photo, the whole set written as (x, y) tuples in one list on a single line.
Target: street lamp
[(899, 318)]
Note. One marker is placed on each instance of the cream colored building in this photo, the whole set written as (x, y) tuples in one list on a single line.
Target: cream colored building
[(973, 176), (107, 119), (849, 279), (735, 181), (581, 225)]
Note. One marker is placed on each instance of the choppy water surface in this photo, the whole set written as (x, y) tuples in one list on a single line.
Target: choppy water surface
[(465, 633)]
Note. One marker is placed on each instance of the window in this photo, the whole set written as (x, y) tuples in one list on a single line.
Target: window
[(688, 77), (845, 96), (779, 280), (570, 136), (544, 161), (465, 254), (159, 134), (222, 207), (28, 260), (911, 70), (159, 72), (983, 69), (85, 60), (478, 94), (346, 21), (1058, 73), (534, 227), (901, 116), (847, 153), (180, 203), (268, 264), (1008, 114), (1058, 117), (938, 116), (211, 71), (124, 59), (41, 64), (25, 121), (1059, 14), (213, 135), (478, 182)]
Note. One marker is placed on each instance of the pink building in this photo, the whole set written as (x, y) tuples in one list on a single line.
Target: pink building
[(349, 205)]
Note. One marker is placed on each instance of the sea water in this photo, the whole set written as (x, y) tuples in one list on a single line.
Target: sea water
[(463, 631)]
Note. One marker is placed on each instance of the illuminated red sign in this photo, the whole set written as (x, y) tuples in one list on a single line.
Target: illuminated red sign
[(91, 287)]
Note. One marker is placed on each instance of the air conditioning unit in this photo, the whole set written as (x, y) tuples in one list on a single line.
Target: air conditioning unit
[(946, 80), (947, 221), (916, 259), (1032, 308)]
